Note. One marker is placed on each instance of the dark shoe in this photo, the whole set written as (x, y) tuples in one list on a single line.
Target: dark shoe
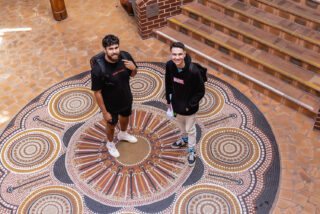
[(179, 143), (191, 157)]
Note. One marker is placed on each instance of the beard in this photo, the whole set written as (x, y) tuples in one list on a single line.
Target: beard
[(113, 58)]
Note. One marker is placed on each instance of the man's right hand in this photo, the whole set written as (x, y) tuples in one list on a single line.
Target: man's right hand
[(107, 117)]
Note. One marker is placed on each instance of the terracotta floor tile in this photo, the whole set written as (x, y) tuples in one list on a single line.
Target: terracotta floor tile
[(285, 155), (305, 192), (300, 199), (305, 175), (317, 173), (284, 147), (288, 173), (287, 184), (315, 143), (299, 186), (286, 194), (309, 208), (308, 153), (292, 148), (315, 200), (302, 160), (294, 210), (300, 141), (288, 164), (277, 211), (284, 204)]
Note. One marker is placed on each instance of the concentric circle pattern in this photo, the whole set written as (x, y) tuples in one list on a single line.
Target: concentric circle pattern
[(54, 158), (211, 104), (30, 150), (230, 149), (145, 85), (54, 199), (208, 199), (73, 104)]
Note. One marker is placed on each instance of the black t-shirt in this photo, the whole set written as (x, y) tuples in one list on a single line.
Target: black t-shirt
[(114, 85)]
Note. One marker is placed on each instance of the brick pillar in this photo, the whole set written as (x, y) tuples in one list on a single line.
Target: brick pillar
[(158, 12)]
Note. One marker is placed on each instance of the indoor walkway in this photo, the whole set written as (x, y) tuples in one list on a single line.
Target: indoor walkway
[(37, 52)]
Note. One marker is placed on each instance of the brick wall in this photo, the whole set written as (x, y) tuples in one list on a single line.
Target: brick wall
[(166, 8)]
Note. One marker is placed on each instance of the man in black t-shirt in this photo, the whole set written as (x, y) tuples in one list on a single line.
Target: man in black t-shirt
[(111, 87)]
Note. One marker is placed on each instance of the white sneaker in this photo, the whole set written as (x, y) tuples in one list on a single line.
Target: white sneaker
[(127, 137), (112, 149)]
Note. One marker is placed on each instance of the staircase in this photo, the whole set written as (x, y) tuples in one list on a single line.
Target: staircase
[(271, 45)]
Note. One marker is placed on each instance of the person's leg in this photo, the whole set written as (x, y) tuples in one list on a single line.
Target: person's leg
[(110, 132), (110, 127), (182, 125), (191, 130), (124, 121)]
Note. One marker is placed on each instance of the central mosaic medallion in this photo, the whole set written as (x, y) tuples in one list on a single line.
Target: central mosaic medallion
[(133, 153), (145, 172)]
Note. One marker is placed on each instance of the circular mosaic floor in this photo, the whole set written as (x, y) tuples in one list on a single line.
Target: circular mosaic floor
[(54, 160)]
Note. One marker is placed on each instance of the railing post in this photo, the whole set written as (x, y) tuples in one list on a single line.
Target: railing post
[(317, 121), (58, 9)]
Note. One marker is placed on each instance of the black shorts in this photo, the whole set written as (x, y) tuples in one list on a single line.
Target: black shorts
[(115, 116)]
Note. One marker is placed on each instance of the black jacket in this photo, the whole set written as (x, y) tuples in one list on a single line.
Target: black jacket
[(187, 87)]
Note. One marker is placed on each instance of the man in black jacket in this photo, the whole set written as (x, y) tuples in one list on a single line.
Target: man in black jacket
[(184, 90), (111, 87)]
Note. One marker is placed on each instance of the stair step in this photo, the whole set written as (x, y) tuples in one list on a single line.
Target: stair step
[(267, 84), (302, 13), (277, 25), (286, 71), (314, 4), (246, 32)]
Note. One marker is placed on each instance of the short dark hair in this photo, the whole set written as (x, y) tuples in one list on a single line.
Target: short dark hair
[(177, 45), (109, 40)]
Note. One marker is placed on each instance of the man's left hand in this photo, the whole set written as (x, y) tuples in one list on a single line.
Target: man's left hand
[(129, 64)]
